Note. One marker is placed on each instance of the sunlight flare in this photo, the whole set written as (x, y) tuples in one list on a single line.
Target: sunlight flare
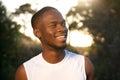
[(79, 39)]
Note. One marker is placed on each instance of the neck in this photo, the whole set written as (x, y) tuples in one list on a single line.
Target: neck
[(53, 56)]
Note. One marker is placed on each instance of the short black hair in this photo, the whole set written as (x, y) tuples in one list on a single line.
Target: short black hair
[(35, 18)]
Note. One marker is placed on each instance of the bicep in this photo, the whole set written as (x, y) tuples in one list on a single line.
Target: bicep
[(89, 68), (20, 73)]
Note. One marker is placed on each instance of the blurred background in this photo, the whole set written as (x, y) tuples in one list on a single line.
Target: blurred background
[(94, 31)]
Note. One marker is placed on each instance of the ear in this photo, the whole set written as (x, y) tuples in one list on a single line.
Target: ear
[(37, 32)]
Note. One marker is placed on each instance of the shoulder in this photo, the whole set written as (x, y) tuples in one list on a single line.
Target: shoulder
[(20, 73), (76, 58), (74, 55), (70, 53), (89, 68), (32, 60)]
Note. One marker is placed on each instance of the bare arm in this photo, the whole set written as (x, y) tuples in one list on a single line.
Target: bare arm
[(89, 68), (20, 73)]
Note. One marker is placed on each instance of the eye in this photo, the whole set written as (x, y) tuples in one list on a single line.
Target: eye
[(53, 25)]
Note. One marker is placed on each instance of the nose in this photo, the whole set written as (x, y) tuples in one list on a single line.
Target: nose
[(62, 28)]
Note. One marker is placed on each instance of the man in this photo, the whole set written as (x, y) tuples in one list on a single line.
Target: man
[(54, 63)]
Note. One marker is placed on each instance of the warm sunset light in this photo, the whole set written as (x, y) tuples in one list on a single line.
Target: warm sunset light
[(86, 2), (79, 39), (76, 38)]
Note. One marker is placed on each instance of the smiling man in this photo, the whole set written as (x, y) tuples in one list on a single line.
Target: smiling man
[(54, 62)]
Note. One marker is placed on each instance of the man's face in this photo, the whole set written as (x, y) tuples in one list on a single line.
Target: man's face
[(53, 30)]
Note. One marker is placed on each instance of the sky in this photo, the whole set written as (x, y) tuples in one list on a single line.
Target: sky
[(62, 5)]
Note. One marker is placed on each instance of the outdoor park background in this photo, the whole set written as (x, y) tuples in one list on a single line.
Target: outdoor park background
[(100, 19)]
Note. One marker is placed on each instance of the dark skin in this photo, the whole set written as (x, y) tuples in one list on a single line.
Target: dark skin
[(52, 32)]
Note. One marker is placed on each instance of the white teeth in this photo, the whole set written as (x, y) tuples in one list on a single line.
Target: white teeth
[(61, 37)]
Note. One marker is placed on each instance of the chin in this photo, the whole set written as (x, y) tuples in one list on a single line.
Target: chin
[(58, 46), (61, 47)]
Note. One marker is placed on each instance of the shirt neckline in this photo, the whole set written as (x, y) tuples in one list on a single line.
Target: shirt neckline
[(55, 64)]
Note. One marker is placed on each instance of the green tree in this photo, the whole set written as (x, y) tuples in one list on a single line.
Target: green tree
[(102, 19), (9, 37), (15, 47)]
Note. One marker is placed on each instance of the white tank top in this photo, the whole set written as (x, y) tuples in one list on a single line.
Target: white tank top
[(72, 67)]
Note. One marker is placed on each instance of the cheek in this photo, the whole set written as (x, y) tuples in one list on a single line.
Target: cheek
[(50, 31), (47, 33)]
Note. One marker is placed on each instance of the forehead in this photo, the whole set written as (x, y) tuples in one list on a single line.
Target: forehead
[(52, 15)]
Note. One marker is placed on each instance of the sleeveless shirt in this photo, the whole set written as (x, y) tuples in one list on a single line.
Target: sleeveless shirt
[(72, 67)]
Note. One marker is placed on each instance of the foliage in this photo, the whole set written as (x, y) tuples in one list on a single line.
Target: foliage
[(8, 40), (103, 21), (23, 9), (15, 47)]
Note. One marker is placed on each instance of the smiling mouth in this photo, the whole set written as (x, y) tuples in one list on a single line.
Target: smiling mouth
[(60, 37)]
